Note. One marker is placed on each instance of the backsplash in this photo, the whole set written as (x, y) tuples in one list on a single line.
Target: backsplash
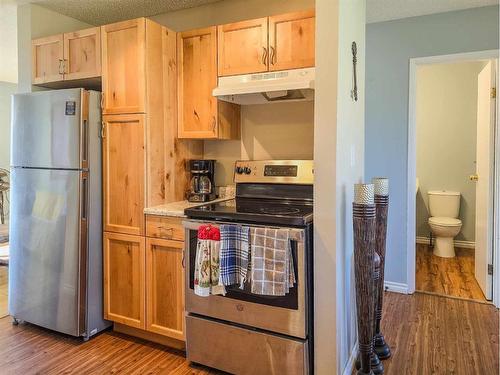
[(268, 131)]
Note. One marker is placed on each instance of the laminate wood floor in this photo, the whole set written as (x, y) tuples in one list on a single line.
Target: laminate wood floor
[(428, 335), (27, 349), (4, 233), (447, 276), (4, 291)]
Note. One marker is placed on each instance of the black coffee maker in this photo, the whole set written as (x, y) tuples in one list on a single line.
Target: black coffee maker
[(202, 181)]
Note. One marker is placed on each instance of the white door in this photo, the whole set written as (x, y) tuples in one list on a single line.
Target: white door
[(484, 171)]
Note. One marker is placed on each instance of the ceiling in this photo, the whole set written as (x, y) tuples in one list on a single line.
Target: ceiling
[(385, 10), (98, 12)]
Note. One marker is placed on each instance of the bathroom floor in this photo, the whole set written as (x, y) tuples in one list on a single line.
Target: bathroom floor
[(448, 276)]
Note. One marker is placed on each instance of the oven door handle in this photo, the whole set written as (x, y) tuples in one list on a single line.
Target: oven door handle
[(296, 234)]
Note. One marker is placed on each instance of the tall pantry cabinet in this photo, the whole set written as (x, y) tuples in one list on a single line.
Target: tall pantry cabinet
[(143, 161)]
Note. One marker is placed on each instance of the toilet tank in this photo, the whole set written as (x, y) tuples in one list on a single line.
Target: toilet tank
[(444, 203)]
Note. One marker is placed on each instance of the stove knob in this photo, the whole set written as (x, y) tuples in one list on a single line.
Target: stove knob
[(247, 170), (239, 170)]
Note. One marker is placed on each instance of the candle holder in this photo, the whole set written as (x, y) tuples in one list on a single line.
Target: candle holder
[(381, 198), (363, 211)]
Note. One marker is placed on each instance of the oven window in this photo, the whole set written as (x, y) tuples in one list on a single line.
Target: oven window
[(289, 301)]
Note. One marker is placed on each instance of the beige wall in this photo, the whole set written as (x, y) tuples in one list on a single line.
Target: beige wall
[(339, 163), (268, 131), (446, 138), (6, 90), (271, 131), (8, 42), (33, 21)]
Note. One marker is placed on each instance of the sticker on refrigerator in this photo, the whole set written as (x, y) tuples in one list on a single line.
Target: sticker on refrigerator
[(70, 108)]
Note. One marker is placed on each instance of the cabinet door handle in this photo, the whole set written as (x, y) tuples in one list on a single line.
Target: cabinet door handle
[(272, 57), (61, 68), (264, 56), (183, 262), (102, 101)]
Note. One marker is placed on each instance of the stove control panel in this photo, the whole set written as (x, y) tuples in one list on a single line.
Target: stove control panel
[(274, 171)]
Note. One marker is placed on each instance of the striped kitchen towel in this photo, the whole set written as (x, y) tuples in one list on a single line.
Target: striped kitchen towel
[(234, 254)]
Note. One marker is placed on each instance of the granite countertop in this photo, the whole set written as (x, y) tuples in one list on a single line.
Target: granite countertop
[(176, 209)]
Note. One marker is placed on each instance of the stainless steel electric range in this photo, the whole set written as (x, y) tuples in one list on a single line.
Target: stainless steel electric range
[(245, 333)]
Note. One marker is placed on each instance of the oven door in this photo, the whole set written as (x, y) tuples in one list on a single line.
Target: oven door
[(286, 315)]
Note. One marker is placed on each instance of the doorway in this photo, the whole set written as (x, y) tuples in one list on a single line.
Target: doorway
[(451, 142)]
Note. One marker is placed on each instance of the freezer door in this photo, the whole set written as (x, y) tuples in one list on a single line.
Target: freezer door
[(46, 129), (45, 258)]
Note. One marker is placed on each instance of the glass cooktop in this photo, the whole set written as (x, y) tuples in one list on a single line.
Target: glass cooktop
[(256, 210)]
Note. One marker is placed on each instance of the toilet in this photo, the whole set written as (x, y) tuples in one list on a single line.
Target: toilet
[(444, 207)]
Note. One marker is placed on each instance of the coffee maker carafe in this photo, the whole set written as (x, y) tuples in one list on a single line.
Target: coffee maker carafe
[(202, 181)]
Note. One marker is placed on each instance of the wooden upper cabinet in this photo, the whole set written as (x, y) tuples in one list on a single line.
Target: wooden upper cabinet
[(292, 41), (242, 47), (124, 177), (165, 287), (47, 59), (124, 279), (197, 77), (123, 67), (200, 114), (82, 54)]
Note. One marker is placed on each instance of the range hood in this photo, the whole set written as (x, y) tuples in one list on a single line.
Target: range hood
[(269, 87)]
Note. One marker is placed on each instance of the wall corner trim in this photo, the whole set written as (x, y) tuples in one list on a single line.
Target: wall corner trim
[(352, 360), (390, 286)]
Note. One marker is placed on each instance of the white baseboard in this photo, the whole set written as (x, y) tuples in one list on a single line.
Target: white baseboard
[(391, 286), (352, 360), (458, 243)]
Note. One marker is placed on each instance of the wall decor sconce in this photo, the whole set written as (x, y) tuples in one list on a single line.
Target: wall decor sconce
[(354, 91)]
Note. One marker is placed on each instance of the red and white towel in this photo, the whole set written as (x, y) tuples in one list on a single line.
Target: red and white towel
[(207, 264)]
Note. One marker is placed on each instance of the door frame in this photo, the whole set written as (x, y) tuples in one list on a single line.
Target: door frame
[(412, 164)]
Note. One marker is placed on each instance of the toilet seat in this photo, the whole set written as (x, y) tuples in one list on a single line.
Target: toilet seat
[(445, 221)]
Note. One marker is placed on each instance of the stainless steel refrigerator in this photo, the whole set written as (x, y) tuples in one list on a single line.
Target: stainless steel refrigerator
[(55, 270)]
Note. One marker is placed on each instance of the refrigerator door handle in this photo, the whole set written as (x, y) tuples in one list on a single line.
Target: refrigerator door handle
[(83, 254), (85, 144), (84, 194), (84, 134), (103, 130)]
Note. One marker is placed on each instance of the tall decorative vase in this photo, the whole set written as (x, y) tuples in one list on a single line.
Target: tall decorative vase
[(363, 212), (381, 193), (375, 363)]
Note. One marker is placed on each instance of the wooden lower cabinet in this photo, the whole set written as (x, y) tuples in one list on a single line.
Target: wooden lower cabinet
[(165, 287), (144, 285), (124, 279)]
